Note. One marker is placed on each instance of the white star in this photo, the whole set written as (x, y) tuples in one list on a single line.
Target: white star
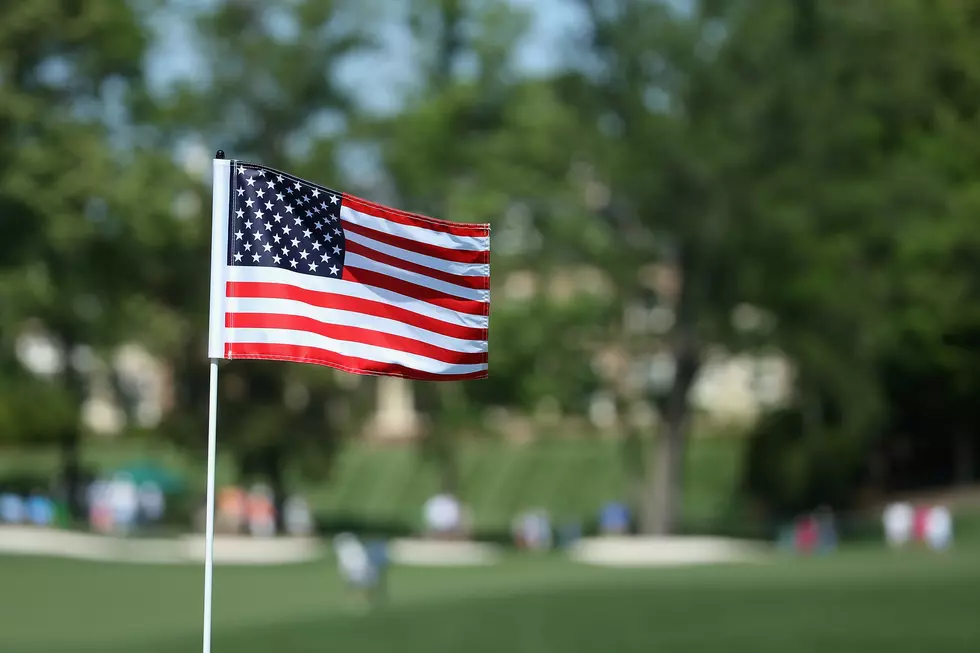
[(278, 217), (239, 213), (256, 257), (267, 247), (260, 193), (286, 230), (248, 224), (309, 214), (324, 206), (303, 254), (333, 269), (337, 231), (259, 214), (248, 247), (250, 181), (249, 202), (316, 246), (267, 225), (285, 251), (238, 235), (238, 257), (276, 259), (262, 173), (292, 264), (268, 206), (295, 242), (257, 236), (319, 225), (336, 249), (289, 208), (270, 184), (278, 197), (324, 258), (241, 191), (298, 222), (328, 237), (276, 238), (306, 198), (306, 233), (279, 178), (298, 187), (334, 199), (316, 192), (313, 267), (241, 170)]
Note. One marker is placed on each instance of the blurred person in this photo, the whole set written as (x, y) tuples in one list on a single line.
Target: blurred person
[(12, 509), (807, 534), (532, 530), (920, 517), (151, 500), (261, 511), (99, 510), (897, 519), (443, 516), (359, 569), (614, 518), (123, 501), (939, 528), (826, 529), (231, 508), (297, 517), (40, 510)]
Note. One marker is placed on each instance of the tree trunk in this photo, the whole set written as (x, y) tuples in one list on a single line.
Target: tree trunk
[(665, 473), (277, 483), (71, 473)]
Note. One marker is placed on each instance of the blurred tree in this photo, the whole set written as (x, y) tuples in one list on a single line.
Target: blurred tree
[(63, 65), (478, 142), (755, 151), (266, 91)]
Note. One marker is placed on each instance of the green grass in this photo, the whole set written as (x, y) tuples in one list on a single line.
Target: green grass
[(862, 601)]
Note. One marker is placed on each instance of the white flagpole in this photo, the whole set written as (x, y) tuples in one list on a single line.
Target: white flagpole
[(216, 312), (209, 526)]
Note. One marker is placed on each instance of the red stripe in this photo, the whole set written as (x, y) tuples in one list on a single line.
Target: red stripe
[(415, 291), (259, 290), (352, 334), (332, 359), (477, 282), (419, 247), (414, 219)]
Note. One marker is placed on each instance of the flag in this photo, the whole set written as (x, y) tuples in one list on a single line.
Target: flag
[(303, 273)]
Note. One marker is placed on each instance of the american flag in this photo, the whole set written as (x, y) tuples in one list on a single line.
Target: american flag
[(303, 273)]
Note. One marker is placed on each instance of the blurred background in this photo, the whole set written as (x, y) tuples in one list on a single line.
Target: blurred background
[(734, 400)]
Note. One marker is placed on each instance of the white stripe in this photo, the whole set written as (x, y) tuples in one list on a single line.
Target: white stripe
[(440, 238), (350, 318), (452, 267), (354, 289), (364, 263), (220, 195), (346, 348)]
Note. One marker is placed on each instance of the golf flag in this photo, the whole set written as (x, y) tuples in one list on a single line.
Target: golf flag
[(303, 273)]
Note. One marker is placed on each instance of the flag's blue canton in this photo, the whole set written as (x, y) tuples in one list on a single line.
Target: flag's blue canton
[(280, 221)]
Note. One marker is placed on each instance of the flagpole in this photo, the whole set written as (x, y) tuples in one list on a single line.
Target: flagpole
[(218, 241), (209, 524)]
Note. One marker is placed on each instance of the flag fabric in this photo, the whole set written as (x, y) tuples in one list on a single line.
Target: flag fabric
[(303, 273)]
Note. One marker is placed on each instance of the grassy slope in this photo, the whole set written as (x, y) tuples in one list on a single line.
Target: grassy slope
[(864, 601), (571, 478)]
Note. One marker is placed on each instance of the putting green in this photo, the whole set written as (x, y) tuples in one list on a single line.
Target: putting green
[(861, 601)]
